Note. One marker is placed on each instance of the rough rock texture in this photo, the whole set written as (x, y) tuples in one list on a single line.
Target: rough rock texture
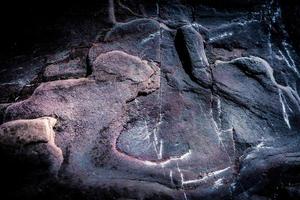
[(32, 139), (170, 100), (71, 69)]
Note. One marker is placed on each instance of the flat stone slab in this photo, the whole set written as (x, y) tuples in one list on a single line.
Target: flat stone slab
[(71, 69)]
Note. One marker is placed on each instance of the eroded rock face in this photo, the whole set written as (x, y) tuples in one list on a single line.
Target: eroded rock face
[(176, 101)]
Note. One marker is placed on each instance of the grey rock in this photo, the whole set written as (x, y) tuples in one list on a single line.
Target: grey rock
[(71, 69), (17, 75), (190, 47), (138, 37)]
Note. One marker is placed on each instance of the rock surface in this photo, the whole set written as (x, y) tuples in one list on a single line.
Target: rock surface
[(33, 141), (175, 100), (71, 69)]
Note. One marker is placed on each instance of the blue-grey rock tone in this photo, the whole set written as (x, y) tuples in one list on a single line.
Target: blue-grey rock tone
[(159, 99)]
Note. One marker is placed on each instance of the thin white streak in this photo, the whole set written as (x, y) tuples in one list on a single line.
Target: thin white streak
[(160, 149), (289, 60), (284, 113), (150, 37), (218, 183), (171, 159), (215, 173), (171, 177), (221, 36), (185, 197)]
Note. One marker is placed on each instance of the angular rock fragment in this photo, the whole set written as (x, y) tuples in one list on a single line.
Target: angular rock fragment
[(33, 141), (71, 69), (66, 64)]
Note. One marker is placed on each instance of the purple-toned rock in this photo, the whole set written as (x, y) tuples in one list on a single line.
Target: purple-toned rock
[(120, 66)]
